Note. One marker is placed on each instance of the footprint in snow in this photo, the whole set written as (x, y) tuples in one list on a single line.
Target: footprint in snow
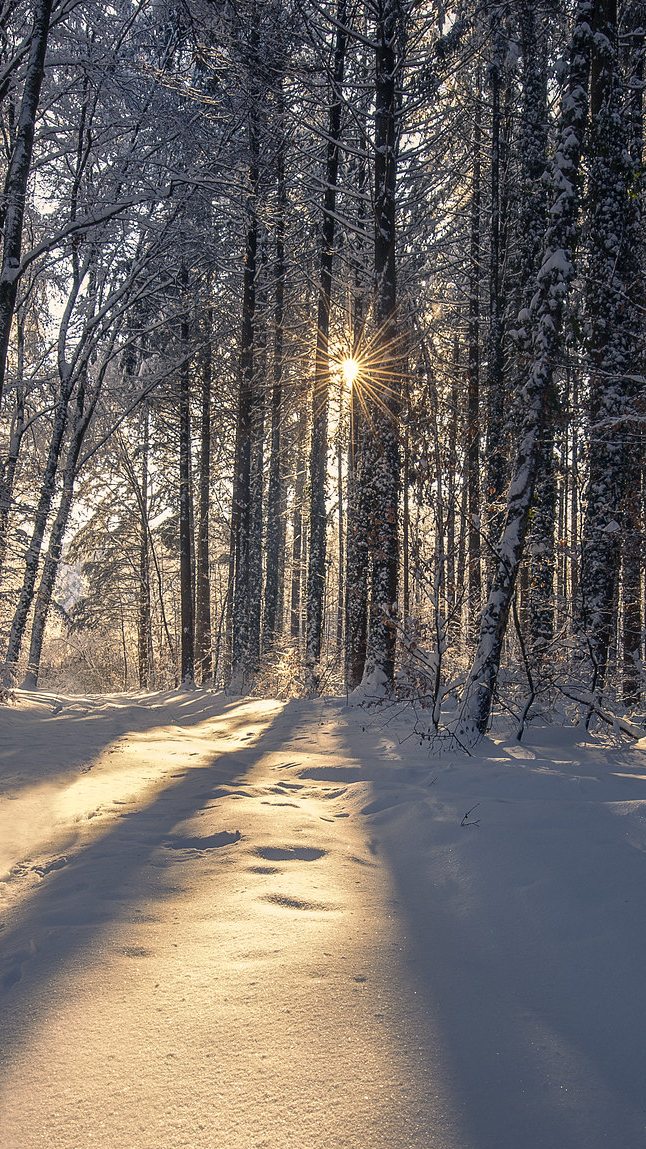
[(212, 842), (57, 864), (289, 853), (13, 966), (296, 903)]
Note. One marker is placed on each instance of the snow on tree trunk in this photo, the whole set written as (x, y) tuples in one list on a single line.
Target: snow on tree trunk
[(82, 417), (554, 278), (356, 534), (9, 464), (356, 596), (256, 484), (275, 544), (383, 478), (532, 221), (496, 453), (297, 533), (320, 392), (541, 547), (241, 671), (614, 274), (203, 653), (144, 636), (473, 376), (32, 557), (15, 189), (187, 644)]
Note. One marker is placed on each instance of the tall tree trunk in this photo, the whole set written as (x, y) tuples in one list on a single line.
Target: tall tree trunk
[(32, 557), (51, 564), (275, 545), (341, 546), (541, 548), (473, 377), (385, 401), (320, 393), (532, 221), (242, 671), (496, 461), (631, 583), (187, 621), (256, 484), (614, 279), (203, 642), (9, 464), (15, 189), (554, 278), (356, 533), (452, 475), (297, 534), (144, 636), (356, 601)]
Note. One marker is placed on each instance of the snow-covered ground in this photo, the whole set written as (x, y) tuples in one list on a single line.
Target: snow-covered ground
[(258, 925)]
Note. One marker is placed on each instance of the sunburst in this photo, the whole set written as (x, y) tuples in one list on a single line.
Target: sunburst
[(372, 369)]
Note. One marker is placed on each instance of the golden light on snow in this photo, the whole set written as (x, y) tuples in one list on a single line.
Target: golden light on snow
[(129, 773)]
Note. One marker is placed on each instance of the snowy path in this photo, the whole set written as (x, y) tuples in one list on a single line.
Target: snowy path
[(172, 984), (255, 926)]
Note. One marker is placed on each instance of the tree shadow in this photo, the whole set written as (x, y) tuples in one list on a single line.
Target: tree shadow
[(108, 880), (542, 1034), (69, 734)]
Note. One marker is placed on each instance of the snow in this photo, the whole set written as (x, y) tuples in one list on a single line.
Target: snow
[(257, 924)]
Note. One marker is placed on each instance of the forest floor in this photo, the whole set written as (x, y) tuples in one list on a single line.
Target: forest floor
[(258, 925)]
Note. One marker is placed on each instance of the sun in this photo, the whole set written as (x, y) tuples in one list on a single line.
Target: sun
[(350, 369)]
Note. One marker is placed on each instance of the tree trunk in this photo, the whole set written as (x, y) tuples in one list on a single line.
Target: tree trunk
[(356, 602), (10, 462), (473, 380), (320, 393), (242, 671), (496, 460), (383, 522), (554, 278), (616, 340), (57, 535), (187, 644), (144, 636), (297, 535), (15, 189), (203, 653), (256, 487), (275, 545), (32, 558)]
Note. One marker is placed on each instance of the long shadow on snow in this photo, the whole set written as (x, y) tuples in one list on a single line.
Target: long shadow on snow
[(540, 1046), (62, 918)]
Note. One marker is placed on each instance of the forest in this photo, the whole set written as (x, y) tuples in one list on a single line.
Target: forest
[(322, 351)]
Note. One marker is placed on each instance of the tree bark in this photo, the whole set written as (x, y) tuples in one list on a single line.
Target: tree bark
[(614, 281), (187, 631), (473, 378), (144, 636), (320, 393), (555, 275), (242, 671), (83, 415), (15, 189), (275, 545), (203, 652), (383, 520)]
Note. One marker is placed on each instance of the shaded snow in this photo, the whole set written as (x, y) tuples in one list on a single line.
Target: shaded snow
[(267, 925)]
